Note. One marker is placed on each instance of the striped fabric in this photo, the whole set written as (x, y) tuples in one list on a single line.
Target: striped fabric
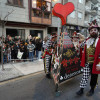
[(48, 57), (86, 73)]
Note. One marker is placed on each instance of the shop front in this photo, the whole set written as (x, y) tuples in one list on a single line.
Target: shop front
[(37, 33), (16, 32)]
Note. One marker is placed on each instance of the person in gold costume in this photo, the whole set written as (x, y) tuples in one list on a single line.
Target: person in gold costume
[(90, 59)]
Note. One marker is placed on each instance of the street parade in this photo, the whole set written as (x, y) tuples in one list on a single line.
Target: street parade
[(65, 57), (49, 49)]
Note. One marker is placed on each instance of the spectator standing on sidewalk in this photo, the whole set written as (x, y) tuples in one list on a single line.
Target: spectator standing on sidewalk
[(24, 56), (29, 38), (15, 39), (16, 47), (36, 47), (33, 42), (9, 53), (30, 48), (39, 48), (11, 42), (4, 53), (12, 52)]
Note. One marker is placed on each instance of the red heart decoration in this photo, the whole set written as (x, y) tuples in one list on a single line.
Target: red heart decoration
[(62, 11)]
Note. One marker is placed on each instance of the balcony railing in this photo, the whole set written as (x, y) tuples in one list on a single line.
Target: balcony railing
[(93, 12), (41, 17), (90, 11), (87, 9), (93, 1), (94, 8)]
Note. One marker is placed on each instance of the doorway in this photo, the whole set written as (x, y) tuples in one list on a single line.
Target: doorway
[(16, 32), (37, 33)]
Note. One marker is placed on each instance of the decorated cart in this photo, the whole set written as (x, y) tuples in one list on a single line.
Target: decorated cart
[(65, 63)]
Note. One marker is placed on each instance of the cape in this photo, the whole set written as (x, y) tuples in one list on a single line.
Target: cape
[(96, 58)]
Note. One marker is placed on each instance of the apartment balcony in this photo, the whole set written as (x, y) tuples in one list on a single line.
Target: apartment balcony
[(87, 10), (92, 11), (93, 1), (41, 17)]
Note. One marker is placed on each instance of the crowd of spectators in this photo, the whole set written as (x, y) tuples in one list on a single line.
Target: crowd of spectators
[(12, 47)]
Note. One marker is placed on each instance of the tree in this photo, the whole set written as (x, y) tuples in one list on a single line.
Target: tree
[(3, 22)]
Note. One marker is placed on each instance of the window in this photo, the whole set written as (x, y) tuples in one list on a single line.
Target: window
[(16, 2), (41, 5), (36, 3), (72, 14), (16, 32), (41, 8), (37, 33), (91, 19), (92, 6), (48, 6), (79, 15), (99, 7), (80, 1)]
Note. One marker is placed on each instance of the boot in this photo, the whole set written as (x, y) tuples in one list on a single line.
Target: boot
[(80, 92), (90, 93), (48, 76)]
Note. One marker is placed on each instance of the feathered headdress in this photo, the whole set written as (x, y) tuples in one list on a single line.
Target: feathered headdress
[(93, 24), (75, 35)]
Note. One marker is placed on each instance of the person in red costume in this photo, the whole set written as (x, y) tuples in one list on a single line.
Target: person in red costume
[(78, 39), (49, 46), (90, 59)]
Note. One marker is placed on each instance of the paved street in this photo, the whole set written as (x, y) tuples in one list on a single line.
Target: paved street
[(64, 32), (13, 70), (38, 87)]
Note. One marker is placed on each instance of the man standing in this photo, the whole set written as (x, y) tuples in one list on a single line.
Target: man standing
[(90, 59), (49, 46), (31, 48)]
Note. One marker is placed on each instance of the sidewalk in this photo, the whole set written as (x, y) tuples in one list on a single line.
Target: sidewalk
[(14, 70)]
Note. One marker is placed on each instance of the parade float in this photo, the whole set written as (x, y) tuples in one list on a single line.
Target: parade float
[(65, 62)]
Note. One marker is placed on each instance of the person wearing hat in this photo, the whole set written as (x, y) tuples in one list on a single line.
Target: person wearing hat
[(48, 54), (75, 39), (90, 59)]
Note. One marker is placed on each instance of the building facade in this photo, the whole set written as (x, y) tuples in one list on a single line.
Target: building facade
[(75, 20), (85, 12), (28, 17), (34, 17), (56, 22)]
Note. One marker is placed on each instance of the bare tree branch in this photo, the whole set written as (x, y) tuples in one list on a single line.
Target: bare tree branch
[(3, 22), (8, 14)]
